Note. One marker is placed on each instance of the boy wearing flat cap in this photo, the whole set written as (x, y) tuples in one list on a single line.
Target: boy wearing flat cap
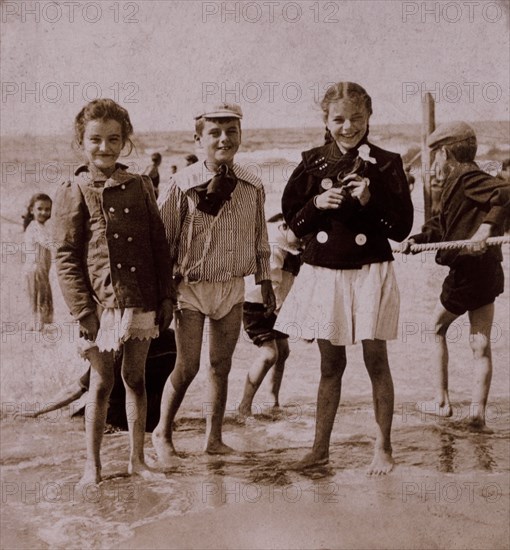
[(213, 213), (473, 206)]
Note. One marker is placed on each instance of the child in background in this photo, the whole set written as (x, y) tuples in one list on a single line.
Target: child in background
[(215, 224), (473, 205), (348, 198), (274, 348), (114, 271), (153, 171), (190, 159), (37, 260)]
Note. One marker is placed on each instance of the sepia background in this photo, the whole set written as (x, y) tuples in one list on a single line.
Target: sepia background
[(161, 60)]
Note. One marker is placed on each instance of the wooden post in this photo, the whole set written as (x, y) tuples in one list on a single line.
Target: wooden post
[(428, 126)]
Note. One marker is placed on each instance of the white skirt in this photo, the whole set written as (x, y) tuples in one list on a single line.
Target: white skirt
[(118, 325), (343, 306)]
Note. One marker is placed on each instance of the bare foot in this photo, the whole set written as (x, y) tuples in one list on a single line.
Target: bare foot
[(245, 409), (218, 448), (91, 476), (311, 460), (435, 408), (164, 449), (381, 464), (137, 468), (276, 412), (477, 424)]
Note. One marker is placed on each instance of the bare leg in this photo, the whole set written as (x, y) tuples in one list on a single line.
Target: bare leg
[(101, 384), (189, 326), (69, 395), (265, 359), (276, 382), (224, 336), (333, 362), (440, 405), (481, 322), (133, 375), (376, 361)]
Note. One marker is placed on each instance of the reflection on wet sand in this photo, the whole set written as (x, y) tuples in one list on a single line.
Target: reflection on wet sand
[(259, 473)]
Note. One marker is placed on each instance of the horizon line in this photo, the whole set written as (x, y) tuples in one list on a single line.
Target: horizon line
[(320, 128)]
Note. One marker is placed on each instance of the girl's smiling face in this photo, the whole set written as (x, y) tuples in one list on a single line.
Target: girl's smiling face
[(102, 143), (41, 211), (348, 122)]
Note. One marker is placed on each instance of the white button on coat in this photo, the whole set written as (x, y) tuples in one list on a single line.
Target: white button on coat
[(327, 183), (360, 239), (322, 237)]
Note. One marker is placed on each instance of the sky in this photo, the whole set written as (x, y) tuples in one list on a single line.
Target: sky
[(162, 59)]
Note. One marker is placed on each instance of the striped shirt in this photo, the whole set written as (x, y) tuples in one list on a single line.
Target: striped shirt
[(216, 248)]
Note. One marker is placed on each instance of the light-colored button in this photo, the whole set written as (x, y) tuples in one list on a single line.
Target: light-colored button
[(126, 210), (360, 239), (327, 183), (133, 269), (111, 209), (129, 239), (123, 186), (119, 266), (115, 235), (322, 237)]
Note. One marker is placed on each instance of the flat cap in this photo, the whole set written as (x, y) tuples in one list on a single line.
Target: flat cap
[(219, 110), (450, 132)]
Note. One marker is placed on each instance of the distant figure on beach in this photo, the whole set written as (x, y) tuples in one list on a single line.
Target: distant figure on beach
[(37, 260), (191, 159), (114, 270), (346, 199), (173, 169), (473, 207), (215, 225), (153, 171), (285, 262)]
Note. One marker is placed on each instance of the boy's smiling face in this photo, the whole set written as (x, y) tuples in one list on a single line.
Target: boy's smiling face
[(220, 141)]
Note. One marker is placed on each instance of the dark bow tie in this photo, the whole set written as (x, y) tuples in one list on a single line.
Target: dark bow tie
[(214, 193)]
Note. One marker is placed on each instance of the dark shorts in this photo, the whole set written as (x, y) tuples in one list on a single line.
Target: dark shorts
[(259, 328), (473, 283)]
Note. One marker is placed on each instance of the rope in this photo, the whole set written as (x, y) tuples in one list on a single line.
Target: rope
[(448, 245)]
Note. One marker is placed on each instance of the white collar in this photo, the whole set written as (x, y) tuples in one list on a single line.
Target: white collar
[(198, 173)]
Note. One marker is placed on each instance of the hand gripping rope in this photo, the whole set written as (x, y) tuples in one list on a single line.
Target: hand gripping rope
[(447, 245)]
